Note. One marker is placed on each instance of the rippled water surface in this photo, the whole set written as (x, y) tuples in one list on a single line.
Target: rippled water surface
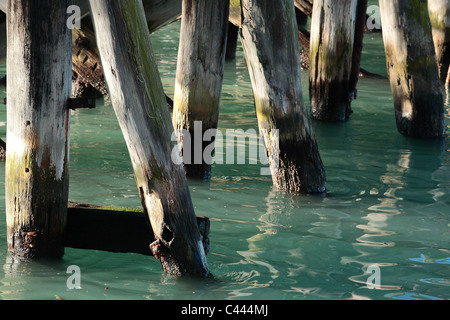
[(387, 205)]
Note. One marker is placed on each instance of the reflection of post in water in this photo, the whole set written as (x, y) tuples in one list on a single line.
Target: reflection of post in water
[(261, 245), (413, 167), (15, 275)]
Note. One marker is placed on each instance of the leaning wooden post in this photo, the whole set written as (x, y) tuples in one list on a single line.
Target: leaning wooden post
[(269, 36), (331, 52), (439, 11), (140, 105), (201, 60), (39, 85), (412, 68)]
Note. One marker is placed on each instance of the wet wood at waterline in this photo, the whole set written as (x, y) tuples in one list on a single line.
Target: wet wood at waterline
[(292, 149), (39, 85), (140, 105)]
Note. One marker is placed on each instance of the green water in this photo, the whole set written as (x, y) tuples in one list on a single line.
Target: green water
[(387, 205)]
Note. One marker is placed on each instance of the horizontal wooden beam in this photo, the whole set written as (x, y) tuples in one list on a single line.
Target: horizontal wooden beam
[(115, 229), (80, 103), (2, 150)]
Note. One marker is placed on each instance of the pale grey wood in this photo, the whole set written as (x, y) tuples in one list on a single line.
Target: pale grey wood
[(271, 45), (439, 11), (139, 102), (158, 12)]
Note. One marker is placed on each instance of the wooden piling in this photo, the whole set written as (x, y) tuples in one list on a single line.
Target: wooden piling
[(439, 11), (331, 53), (269, 36), (412, 68), (198, 88), (2, 150), (39, 85), (140, 105)]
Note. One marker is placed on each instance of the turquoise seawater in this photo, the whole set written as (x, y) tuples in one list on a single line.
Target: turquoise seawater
[(387, 205)]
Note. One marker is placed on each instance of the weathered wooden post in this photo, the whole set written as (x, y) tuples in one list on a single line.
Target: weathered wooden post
[(39, 85), (88, 80), (161, 12), (439, 11), (201, 60), (412, 68), (331, 52), (270, 40), (139, 102)]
